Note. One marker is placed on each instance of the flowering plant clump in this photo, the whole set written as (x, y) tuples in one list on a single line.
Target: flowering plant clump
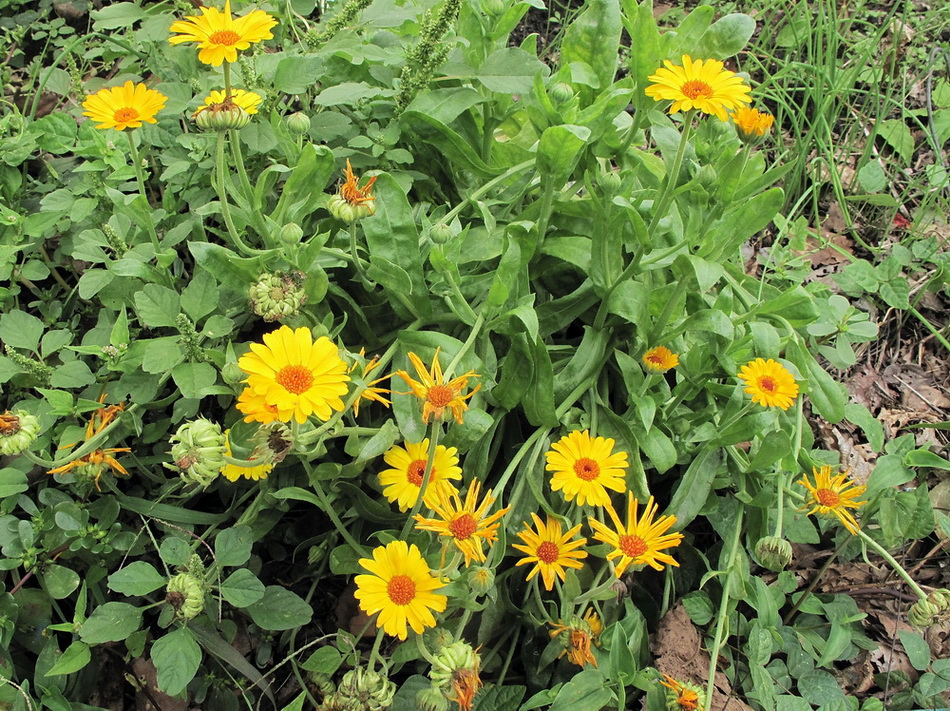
[(380, 360)]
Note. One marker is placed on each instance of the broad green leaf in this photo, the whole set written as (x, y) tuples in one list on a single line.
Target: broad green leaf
[(177, 657), (593, 37), (157, 306), (918, 651), (76, 656), (20, 330), (138, 578), (586, 690), (195, 380), (232, 546), (510, 71), (242, 588), (325, 660), (59, 581), (111, 622), (200, 297), (727, 36), (280, 609), (558, 152), (694, 487)]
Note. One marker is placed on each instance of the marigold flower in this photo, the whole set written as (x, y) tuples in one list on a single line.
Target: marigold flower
[(404, 481), (701, 84), (834, 495), (400, 587), (351, 202), (297, 375), (549, 550), (247, 100), (682, 697), (219, 35), (660, 359), (641, 541), (232, 472), (255, 408), (769, 383), (752, 124), (584, 468), (580, 635), (465, 524), (436, 394), (370, 392), (122, 107), (93, 465)]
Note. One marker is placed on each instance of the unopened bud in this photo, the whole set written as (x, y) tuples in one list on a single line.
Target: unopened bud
[(441, 233), (198, 452), (298, 123), (773, 553), (611, 183), (18, 430), (481, 579), (218, 117), (561, 93), (291, 234)]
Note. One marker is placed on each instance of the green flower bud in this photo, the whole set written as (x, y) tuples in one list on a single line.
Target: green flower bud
[(276, 295), (344, 211), (440, 233), (941, 599), (495, 7), (773, 553), (923, 613), (323, 683), (707, 176), (232, 374), (217, 117), (185, 592), (611, 183), (561, 93), (198, 452), (481, 579), (291, 234), (18, 430), (369, 690), (298, 123), (431, 699), (450, 659)]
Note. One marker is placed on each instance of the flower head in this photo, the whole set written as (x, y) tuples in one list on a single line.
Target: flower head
[(232, 472), (752, 124), (699, 84), (456, 666), (660, 359), (579, 635), (549, 550), (255, 408), (400, 587), (370, 392), (585, 467), (641, 541), (220, 36), (682, 697), (297, 375), (247, 100), (352, 202), (93, 465), (404, 481), (769, 383), (18, 430), (122, 107), (277, 295), (198, 450), (834, 495), (465, 524), (436, 394)]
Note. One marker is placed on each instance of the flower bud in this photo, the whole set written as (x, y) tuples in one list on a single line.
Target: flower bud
[(198, 451), (923, 613), (561, 93), (276, 295), (18, 430), (773, 553), (370, 690), (218, 117), (941, 599), (440, 233), (185, 592), (232, 374), (449, 660), (291, 234), (431, 698), (707, 176), (611, 183), (349, 213), (495, 8), (481, 579), (298, 123)]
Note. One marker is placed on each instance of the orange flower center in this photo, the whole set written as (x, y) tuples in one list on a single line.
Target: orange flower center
[(125, 115), (416, 471), (655, 358), (586, 469), (696, 89), (548, 552), (440, 395), (768, 384), (632, 546), (295, 379), (401, 589), (227, 38), (827, 497), (463, 527)]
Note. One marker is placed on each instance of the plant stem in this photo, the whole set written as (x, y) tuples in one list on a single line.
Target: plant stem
[(140, 179), (374, 653), (479, 321), (660, 207), (898, 568), (331, 512), (357, 262), (223, 200), (723, 611), (435, 429)]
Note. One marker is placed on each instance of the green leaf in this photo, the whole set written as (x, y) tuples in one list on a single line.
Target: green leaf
[(872, 427), (74, 374), (59, 581), (200, 297), (925, 458), (828, 396), (499, 698), (295, 75), (538, 401), (510, 71), (93, 281), (12, 482), (586, 690), (889, 471), (558, 152), (242, 588), (117, 16), (177, 657), (895, 293), (693, 490), (819, 687), (195, 380), (157, 306), (111, 622), (232, 546), (727, 36), (872, 177), (280, 609), (75, 657), (20, 330), (230, 270), (326, 660), (898, 136), (918, 651), (659, 448), (138, 578), (593, 37)]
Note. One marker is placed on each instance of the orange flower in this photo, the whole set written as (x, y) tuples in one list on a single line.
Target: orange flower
[(436, 394)]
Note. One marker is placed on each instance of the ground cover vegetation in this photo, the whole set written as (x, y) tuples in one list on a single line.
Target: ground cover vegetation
[(473, 354)]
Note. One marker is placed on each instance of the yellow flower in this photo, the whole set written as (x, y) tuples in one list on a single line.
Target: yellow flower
[(550, 551), (220, 36), (403, 482), (400, 588), (232, 472), (699, 84), (683, 697), (769, 383), (641, 541), (370, 392), (122, 107), (585, 468), (466, 524), (297, 375), (834, 495), (752, 124), (660, 359), (435, 393), (581, 634), (94, 465), (247, 100), (255, 408)]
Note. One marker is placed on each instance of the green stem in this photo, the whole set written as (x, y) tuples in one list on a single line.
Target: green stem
[(463, 620), (660, 207), (140, 179), (723, 611), (659, 325), (499, 488), (331, 512), (227, 80), (930, 327), (435, 429), (357, 262), (898, 568), (374, 653), (796, 445), (479, 321), (249, 194), (514, 170), (223, 200)]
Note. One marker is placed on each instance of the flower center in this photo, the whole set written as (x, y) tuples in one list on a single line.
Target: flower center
[(586, 469), (416, 471), (295, 379), (463, 527), (655, 358), (696, 89), (225, 37), (768, 384), (125, 115), (440, 395), (401, 589), (827, 497), (548, 552), (632, 546)]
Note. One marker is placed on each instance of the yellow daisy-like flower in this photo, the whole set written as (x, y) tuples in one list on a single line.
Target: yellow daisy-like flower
[(752, 124), (436, 394), (370, 392), (660, 359), (581, 635), (834, 495), (400, 588), (642, 540), (465, 524), (232, 472), (220, 36), (701, 84), (297, 375), (122, 107), (769, 383), (247, 100), (549, 550), (404, 481), (584, 468), (255, 408)]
